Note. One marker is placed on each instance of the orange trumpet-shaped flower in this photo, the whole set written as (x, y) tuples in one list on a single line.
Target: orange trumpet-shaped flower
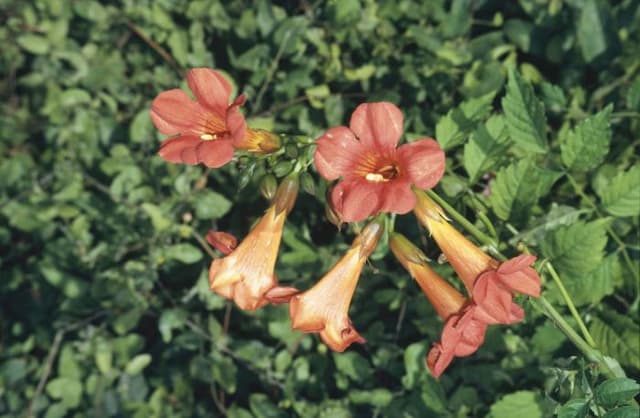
[(490, 283), (463, 332), (246, 275), (325, 307)]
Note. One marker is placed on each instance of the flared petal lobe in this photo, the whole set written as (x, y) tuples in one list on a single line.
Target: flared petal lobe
[(378, 126), (337, 153), (210, 88), (325, 307), (424, 161)]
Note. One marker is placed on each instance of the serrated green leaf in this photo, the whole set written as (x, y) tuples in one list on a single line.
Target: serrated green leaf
[(557, 216), (586, 146), (575, 408), (617, 336), (591, 287), (518, 187), (577, 249), (622, 196), (522, 404), (453, 128), (524, 114), (616, 391), (482, 152)]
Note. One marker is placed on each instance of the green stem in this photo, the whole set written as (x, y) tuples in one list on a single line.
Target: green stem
[(203, 243), (567, 298), (589, 352)]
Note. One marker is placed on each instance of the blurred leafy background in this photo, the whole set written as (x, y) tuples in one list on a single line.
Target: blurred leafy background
[(104, 303)]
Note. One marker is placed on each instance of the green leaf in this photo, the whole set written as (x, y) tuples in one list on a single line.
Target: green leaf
[(623, 412), (616, 391), (557, 216), (522, 404), (353, 365), (137, 364), (617, 336), (517, 188), (622, 196), (524, 114), (414, 356), (575, 408), (577, 249), (452, 129), (592, 287), (158, 219), (262, 407), (185, 253), (224, 372), (586, 146), (376, 397), (211, 205), (593, 29), (67, 389), (169, 320), (35, 44), (484, 149)]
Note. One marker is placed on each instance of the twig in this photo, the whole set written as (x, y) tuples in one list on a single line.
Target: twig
[(160, 50)]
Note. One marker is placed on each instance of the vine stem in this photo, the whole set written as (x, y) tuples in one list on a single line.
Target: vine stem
[(565, 295), (587, 348)]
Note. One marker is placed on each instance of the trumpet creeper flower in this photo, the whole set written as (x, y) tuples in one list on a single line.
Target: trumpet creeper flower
[(246, 275), (376, 175), (325, 307)]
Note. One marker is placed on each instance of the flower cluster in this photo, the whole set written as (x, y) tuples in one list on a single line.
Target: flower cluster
[(373, 176)]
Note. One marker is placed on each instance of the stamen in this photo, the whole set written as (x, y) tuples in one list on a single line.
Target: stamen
[(208, 137), (375, 177)]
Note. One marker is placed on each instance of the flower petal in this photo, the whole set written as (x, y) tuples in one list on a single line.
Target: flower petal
[(493, 301), (180, 150), (215, 153), (236, 124), (173, 112), (517, 276), (397, 197), (337, 152), (439, 359), (211, 89), (378, 126), (424, 162), (357, 199)]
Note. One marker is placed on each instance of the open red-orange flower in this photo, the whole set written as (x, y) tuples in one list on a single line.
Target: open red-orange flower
[(205, 129), (246, 275), (325, 307), (376, 176), (490, 283), (463, 332)]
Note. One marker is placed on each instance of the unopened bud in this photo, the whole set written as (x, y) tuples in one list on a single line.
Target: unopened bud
[(258, 141), (291, 151), (332, 216), (222, 241), (405, 251), (286, 194), (282, 168), (427, 210), (307, 183), (368, 238), (268, 186)]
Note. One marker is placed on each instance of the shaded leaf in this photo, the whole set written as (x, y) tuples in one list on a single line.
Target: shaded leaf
[(586, 146)]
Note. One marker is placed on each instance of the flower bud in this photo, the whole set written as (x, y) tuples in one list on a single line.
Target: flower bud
[(286, 194), (307, 183), (282, 168), (268, 186)]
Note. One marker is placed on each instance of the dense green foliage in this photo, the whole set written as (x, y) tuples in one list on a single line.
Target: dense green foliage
[(104, 301)]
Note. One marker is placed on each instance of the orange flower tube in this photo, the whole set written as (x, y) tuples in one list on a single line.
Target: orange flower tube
[(325, 307), (246, 275), (463, 332), (490, 283)]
